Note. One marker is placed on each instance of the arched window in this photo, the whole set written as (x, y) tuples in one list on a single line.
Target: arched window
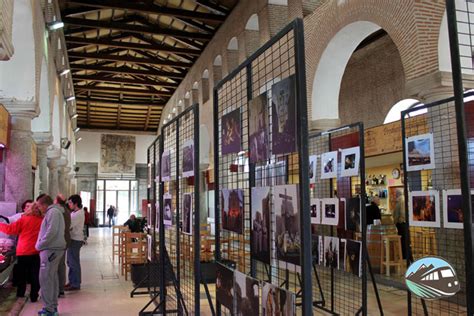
[(395, 112)]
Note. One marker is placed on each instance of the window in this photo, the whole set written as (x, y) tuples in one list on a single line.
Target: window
[(395, 112), (447, 273)]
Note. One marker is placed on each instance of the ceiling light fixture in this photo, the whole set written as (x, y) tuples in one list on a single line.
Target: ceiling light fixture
[(79, 139), (75, 115), (55, 25), (65, 72), (77, 129), (71, 98)]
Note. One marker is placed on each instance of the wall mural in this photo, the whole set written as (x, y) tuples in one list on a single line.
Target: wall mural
[(117, 154)]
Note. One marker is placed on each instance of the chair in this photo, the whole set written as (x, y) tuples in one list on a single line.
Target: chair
[(135, 251), (116, 241), (391, 254), (424, 243)]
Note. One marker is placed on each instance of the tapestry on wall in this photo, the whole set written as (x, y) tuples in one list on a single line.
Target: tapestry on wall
[(117, 154)]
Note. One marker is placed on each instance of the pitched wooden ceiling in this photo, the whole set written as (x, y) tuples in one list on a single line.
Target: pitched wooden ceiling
[(128, 57)]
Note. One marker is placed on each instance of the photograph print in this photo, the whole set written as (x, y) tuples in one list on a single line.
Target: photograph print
[(315, 249), (187, 216), (287, 222), (353, 214), (167, 209), (350, 162), (232, 205), (312, 168), (424, 209), (166, 166), (315, 211), (420, 152), (277, 301), (341, 224), (329, 165), (231, 133), (342, 254), (453, 215), (225, 286), (188, 158), (330, 211), (260, 234), (284, 116), (258, 129), (331, 252), (246, 292), (354, 257)]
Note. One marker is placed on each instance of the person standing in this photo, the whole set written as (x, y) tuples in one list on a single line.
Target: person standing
[(27, 228), (77, 240), (110, 215), (51, 245), (373, 210), (399, 219), (60, 200)]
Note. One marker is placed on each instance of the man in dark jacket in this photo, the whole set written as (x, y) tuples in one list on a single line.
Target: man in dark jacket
[(373, 211), (133, 224), (110, 215)]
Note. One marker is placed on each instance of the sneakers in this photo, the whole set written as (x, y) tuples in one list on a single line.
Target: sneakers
[(45, 312)]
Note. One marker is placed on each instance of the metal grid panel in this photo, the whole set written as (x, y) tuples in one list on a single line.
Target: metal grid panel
[(337, 290), (448, 243), (465, 25)]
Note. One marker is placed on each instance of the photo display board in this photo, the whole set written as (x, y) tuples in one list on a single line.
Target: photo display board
[(262, 233), (338, 221), (433, 200)]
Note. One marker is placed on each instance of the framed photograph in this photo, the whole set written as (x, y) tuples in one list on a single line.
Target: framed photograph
[(312, 168), (166, 166), (341, 224), (287, 225), (354, 257), (277, 301), (284, 116), (247, 295), (424, 209), (353, 218), (225, 286), (331, 252), (315, 250), (168, 210), (329, 165), (453, 214), (420, 152), (149, 244), (187, 224), (232, 202), (315, 211), (260, 234), (258, 129), (350, 158), (231, 133), (330, 212), (188, 158), (342, 254)]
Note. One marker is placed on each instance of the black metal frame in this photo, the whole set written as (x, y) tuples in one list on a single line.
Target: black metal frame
[(302, 144)]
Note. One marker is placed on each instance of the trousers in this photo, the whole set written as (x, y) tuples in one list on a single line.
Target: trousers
[(62, 273), (48, 278), (28, 270), (74, 263)]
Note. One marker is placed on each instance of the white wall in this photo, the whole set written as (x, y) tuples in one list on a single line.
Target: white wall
[(88, 149)]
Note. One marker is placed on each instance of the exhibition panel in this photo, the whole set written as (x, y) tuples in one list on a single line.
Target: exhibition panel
[(263, 241)]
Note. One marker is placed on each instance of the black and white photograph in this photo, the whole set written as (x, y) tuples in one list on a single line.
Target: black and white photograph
[(424, 209), (342, 254), (315, 250), (187, 215), (232, 214), (341, 224), (166, 166), (329, 165), (260, 233), (420, 152), (287, 222), (277, 301), (353, 215), (315, 211), (312, 168), (330, 211), (188, 158), (167, 210), (284, 116), (350, 162), (354, 257), (225, 286), (247, 296), (331, 252), (258, 129), (231, 133)]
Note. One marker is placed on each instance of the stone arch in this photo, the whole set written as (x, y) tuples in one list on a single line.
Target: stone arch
[(195, 93), (232, 55), (43, 122), (251, 35), (217, 69), (205, 86)]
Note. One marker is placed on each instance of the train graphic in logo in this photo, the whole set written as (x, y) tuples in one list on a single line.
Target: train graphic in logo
[(432, 278)]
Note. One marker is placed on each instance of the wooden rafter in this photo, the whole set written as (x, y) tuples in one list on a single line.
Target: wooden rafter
[(124, 90), (143, 82), (121, 102)]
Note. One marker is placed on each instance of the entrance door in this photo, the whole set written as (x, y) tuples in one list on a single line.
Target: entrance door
[(122, 194)]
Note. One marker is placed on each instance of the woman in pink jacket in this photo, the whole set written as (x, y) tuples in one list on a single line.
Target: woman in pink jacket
[(27, 229)]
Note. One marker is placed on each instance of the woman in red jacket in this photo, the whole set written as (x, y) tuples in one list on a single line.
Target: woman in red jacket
[(27, 228)]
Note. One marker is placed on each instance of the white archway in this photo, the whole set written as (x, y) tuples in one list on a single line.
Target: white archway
[(252, 23), (233, 44), (217, 61), (331, 67), (395, 112), (205, 74)]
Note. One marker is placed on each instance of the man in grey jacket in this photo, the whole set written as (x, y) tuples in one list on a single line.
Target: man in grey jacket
[(51, 245)]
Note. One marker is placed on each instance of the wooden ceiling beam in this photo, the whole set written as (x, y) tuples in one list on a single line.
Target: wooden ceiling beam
[(128, 59), (100, 127), (131, 28), (124, 90), (150, 8), (148, 115), (128, 70), (213, 6), (94, 100), (143, 82)]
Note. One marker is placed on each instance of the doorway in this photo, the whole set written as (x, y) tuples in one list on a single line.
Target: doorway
[(123, 194)]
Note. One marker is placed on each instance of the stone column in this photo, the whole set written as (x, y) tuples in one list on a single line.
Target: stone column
[(18, 171), (63, 177), (43, 140), (6, 29), (53, 165)]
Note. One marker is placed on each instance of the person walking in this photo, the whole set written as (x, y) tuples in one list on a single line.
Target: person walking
[(60, 200), (86, 224), (77, 240), (51, 245), (110, 215), (27, 228)]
